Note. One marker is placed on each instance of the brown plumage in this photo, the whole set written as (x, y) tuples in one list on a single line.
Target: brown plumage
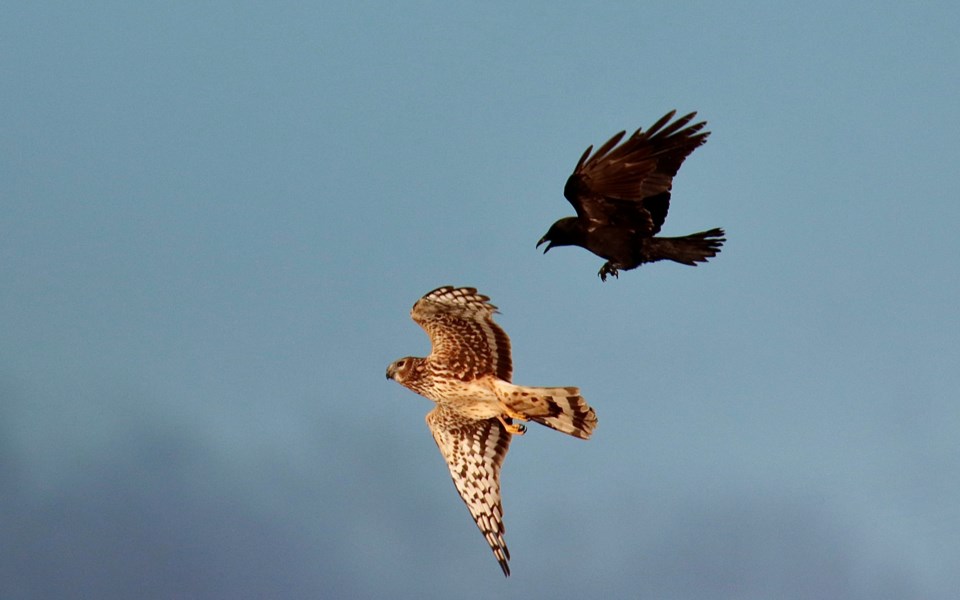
[(622, 195), (467, 375)]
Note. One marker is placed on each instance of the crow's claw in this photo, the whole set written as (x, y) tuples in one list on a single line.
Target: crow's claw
[(608, 269)]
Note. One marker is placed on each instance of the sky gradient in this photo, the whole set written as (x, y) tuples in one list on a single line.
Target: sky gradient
[(217, 215)]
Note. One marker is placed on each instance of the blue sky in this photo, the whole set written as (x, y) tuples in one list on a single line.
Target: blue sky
[(216, 217)]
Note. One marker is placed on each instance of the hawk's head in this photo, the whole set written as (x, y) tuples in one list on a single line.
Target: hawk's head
[(565, 232), (401, 370)]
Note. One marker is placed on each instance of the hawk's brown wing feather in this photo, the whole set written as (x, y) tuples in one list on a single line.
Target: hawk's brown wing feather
[(609, 187), (465, 339), (474, 451)]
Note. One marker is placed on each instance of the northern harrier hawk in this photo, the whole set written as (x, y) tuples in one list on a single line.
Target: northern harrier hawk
[(468, 375), (622, 194)]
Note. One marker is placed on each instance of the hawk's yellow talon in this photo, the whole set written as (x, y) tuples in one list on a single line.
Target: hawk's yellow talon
[(516, 429), (514, 414)]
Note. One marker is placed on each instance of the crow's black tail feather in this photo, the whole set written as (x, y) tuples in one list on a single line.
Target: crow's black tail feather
[(688, 250)]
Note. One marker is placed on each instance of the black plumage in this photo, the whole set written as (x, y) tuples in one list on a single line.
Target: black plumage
[(622, 194)]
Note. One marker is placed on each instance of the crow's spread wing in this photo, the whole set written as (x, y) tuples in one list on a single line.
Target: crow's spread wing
[(628, 185)]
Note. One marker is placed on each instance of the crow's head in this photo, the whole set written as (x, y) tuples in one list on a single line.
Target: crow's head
[(565, 232)]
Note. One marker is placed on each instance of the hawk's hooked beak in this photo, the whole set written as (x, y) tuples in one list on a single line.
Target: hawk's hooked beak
[(549, 245), (390, 372)]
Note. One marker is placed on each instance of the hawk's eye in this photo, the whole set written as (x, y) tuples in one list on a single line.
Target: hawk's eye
[(400, 363)]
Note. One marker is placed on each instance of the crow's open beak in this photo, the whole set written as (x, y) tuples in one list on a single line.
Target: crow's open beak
[(549, 245)]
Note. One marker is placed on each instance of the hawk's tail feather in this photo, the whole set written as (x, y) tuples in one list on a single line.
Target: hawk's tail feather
[(688, 250), (560, 408)]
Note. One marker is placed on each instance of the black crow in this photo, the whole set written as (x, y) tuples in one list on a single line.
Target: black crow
[(622, 195)]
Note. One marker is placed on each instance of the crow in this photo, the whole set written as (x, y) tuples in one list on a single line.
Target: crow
[(622, 195)]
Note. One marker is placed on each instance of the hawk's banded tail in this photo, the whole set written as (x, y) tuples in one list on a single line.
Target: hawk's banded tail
[(689, 250), (560, 408)]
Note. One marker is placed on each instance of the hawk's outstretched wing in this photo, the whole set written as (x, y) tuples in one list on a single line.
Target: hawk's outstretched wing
[(629, 184), (474, 451), (464, 337)]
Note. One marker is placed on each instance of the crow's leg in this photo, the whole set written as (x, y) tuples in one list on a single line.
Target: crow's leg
[(608, 269)]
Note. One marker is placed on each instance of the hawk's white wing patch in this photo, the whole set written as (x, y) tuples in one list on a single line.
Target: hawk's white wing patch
[(465, 339), (474, 451)]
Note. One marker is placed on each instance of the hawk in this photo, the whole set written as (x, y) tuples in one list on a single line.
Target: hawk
[(467, 375), (622, 195)]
